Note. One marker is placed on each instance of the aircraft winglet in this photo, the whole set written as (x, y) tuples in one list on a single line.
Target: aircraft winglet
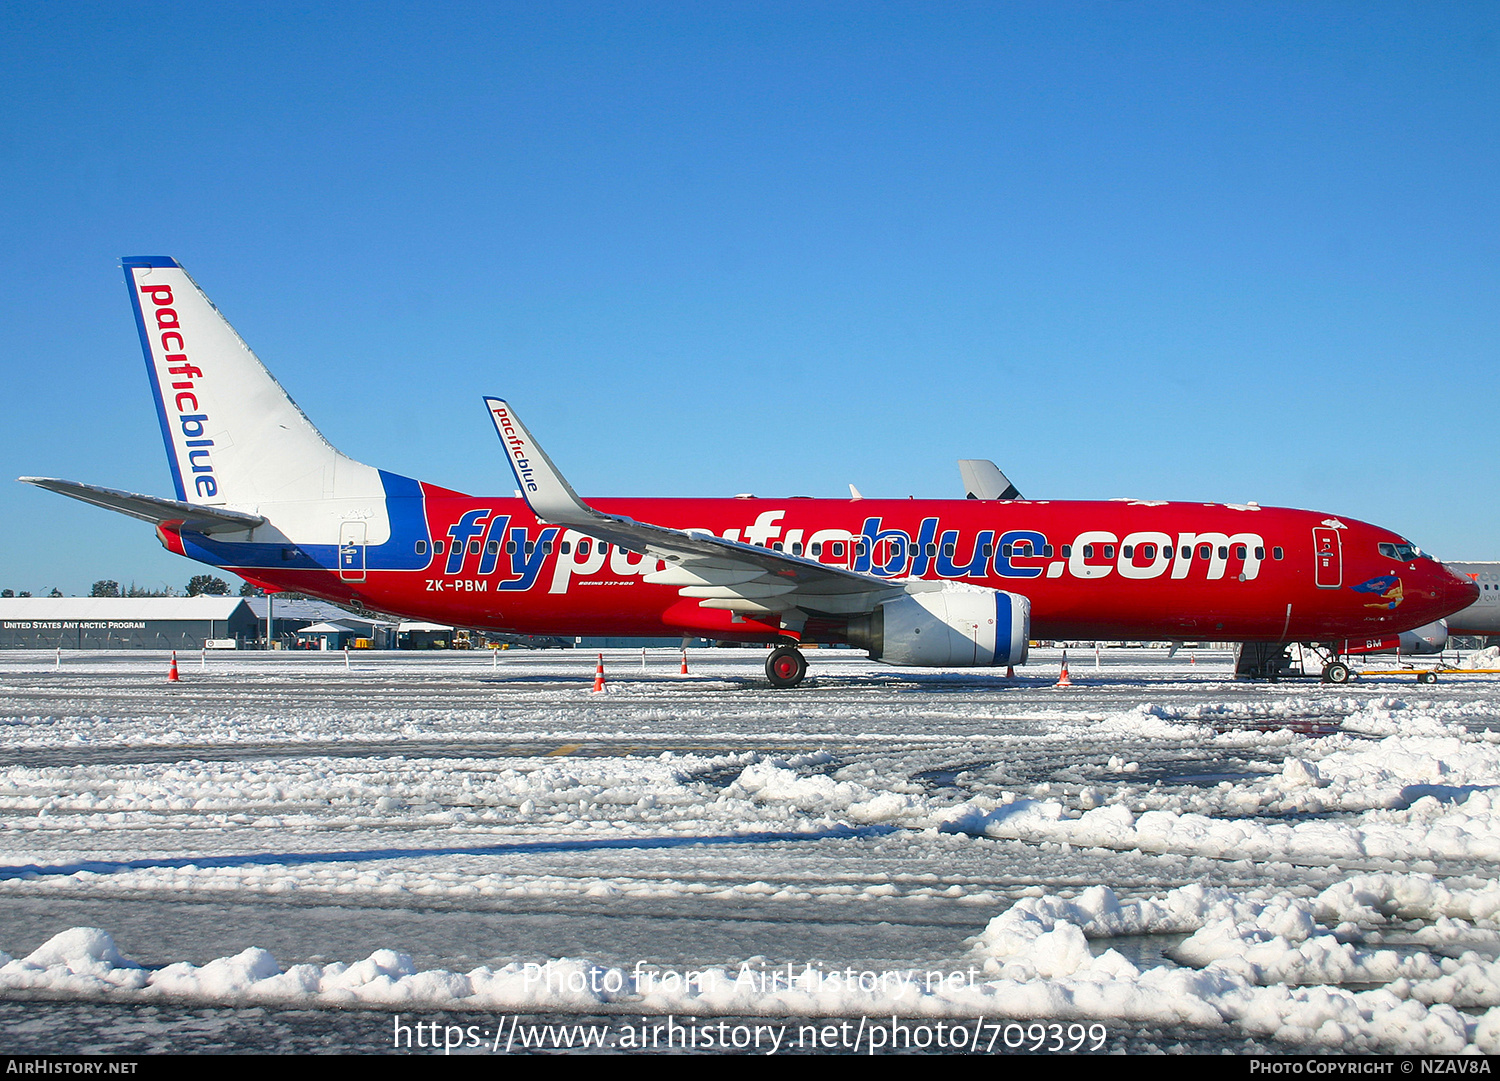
[(546, 491), (552, 499)]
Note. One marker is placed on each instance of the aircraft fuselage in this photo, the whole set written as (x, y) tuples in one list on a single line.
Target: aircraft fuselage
[(1111, 569)]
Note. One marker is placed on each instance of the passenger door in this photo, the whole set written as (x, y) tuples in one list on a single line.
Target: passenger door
[(352, 551), (1328, 552)]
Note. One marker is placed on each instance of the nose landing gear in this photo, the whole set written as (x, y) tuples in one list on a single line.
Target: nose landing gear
[(1336, 672)]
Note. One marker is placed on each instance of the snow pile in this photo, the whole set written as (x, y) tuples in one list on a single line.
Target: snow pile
[(81, 961), (1154, 721), (1395, 717), (1429, 828), (1481, 659), (1255, 960), (1267, 966), (776, 783), (1428, 789)]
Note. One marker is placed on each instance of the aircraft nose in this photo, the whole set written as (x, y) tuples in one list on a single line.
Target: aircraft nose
[(1456, 590)]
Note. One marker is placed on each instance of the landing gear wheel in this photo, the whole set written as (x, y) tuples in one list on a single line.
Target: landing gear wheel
[(1426, 677), (1337, 672), (786, 666)]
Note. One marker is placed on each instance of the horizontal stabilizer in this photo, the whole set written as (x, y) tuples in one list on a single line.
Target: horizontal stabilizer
[(149, 508)]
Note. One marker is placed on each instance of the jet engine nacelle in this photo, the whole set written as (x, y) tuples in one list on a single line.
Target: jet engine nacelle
[(955, 626), (1433, 638)]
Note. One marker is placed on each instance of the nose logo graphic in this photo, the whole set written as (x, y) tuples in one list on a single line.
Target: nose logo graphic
[(1387, 587)]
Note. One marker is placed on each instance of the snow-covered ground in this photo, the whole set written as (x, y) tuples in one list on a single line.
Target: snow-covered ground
[(1157, 849)]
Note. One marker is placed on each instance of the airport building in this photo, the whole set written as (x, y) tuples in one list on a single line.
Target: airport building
[(186, 623), (125, 622), (294, 620)]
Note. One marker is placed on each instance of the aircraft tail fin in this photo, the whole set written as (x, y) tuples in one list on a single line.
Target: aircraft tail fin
[(233, 435), (983, 480)]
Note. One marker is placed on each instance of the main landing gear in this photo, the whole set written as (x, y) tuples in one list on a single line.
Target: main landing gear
[(786, 666)]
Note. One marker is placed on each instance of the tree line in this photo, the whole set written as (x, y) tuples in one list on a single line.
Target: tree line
[(198, 585)]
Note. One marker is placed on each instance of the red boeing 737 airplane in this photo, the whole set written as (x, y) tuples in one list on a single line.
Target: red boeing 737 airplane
[(959, 583)]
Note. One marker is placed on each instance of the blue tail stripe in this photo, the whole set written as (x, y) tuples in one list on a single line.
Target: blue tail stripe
[(140, 325), (407, 513)]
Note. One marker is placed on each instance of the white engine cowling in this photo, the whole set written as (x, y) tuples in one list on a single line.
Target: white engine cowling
[(952, 627)]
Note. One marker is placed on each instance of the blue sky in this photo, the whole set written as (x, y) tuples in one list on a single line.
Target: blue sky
[(1182, 251)]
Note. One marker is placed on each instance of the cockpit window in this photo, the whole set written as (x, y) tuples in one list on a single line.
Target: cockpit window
[(1402, 551)]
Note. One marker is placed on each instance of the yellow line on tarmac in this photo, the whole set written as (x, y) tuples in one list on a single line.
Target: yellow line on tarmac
[(566, 748), (1418, 671)]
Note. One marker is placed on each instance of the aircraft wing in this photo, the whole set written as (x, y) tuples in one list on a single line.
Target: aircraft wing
[(721, 573), (149, 508)]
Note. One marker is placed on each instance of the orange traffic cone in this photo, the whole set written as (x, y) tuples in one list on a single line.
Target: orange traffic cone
[(1010, 671), (1063, 680), (172, 676), (1192, 658), (599, 676), (684, 662)]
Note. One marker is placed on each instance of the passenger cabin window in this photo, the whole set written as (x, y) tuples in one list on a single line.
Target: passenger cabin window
[(437, 547), (1239, 551), (989, 550), (1109, 551), (1088, 551), (1276, 553), (1205, 551), (473, 547), (421, 548), (492, 547), (566, 547), (1128, 551), (816, 549)]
